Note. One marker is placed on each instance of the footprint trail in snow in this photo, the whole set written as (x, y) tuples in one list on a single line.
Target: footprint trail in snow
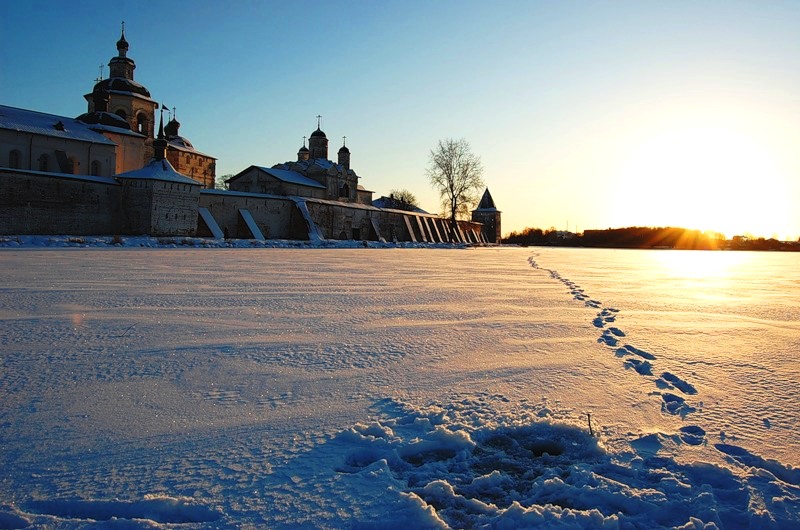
[(671, 388)]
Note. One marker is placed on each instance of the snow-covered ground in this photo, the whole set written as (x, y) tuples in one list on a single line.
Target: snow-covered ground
[(397, 388)]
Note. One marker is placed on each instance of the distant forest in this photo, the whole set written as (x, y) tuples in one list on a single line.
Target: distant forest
[(645, 237)]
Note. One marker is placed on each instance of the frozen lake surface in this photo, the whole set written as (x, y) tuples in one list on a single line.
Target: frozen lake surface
[(398, 388)]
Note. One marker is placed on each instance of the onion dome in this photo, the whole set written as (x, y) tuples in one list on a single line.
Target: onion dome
[(318, 134), (121, 84), (122, 44), (171, 128)]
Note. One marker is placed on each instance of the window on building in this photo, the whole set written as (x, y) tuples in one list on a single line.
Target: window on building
[(44, 162), (14, 158), (95, 168), (142, 123), (73, 165), (344, 191)]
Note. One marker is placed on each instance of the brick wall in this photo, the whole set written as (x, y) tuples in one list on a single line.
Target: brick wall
[(49, 204)]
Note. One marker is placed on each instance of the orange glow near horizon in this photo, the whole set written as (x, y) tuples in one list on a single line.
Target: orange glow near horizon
[(699, 265), (706, 177)]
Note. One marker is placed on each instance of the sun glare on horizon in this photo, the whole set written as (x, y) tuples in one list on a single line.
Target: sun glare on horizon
[(705, 177), (701, 265)]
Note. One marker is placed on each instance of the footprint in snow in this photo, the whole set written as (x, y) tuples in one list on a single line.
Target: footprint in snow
[(788, 474), (675, 405), (636, 351), (692, 435), (608, 339), (641, 367), (675, 381)]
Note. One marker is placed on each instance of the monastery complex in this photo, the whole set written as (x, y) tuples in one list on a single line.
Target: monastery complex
[(118, 170)]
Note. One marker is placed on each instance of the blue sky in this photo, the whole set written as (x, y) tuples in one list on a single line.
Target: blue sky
[(585, 114)]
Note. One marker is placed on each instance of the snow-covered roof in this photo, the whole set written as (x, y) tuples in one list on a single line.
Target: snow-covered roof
[(116, 130), (322, 163), (231, 193), (284, 175), (132, 94), (180, 143), (70, 176), (160, 170), (33, 122)]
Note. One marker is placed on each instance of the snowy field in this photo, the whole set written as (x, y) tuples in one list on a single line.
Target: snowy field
[(398, 388)]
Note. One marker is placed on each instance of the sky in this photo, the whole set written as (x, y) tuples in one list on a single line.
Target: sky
[(586, 115)]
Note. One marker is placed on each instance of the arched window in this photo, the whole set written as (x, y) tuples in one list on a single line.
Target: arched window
[(14, 158), (344, 191), (44, 162), (122, 114), (95, 168), (142, 124), (73, 165)]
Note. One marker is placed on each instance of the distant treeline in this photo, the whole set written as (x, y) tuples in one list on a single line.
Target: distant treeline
[(644, 237)]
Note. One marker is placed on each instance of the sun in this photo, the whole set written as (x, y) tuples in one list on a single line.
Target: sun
[(704, 177)]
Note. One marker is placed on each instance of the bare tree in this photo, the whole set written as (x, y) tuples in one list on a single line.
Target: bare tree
[(219, 181), (457, 174), (405, 199)]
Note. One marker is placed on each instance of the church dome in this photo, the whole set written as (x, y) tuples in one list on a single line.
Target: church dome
[(344, 149), (120, 84), (318, 134), (180, 141), (171, 128), (122, 45)]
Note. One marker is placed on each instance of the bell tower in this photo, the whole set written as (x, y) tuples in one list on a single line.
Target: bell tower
[(128, 99), (344, 154), (318, 143), (489, 215)]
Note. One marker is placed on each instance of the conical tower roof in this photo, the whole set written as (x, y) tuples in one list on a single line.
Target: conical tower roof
[(487, 203)]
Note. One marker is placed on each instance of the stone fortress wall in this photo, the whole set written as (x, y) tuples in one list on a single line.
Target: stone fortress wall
[(36, 203), (106, 173)]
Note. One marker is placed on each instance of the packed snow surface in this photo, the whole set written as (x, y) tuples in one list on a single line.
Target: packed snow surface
[(398, 388)]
